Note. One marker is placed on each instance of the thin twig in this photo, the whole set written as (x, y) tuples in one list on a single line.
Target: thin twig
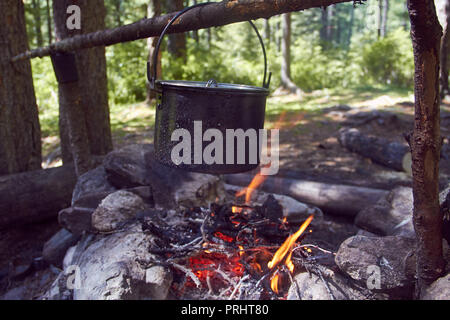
[(244, 278), (188, 272)]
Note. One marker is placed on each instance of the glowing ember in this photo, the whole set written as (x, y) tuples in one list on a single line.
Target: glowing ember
[(235, 209), (223, 237)]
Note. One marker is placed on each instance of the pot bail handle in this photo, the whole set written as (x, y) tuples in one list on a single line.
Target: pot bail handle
[(151, 76)]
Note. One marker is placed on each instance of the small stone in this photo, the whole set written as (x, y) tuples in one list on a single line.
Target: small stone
[(159, 280), (115, 209)]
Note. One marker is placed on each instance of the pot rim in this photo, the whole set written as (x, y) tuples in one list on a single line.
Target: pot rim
[(221, 87)]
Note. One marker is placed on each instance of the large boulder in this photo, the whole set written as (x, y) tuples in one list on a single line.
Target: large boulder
[(384, 264), (115, 209), (115, 266), (391, 215)]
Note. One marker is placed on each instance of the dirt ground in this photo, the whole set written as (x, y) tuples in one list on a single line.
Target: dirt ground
[(309, 149)]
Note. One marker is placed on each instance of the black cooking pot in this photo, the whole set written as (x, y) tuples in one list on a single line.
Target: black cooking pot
[(198, 106)]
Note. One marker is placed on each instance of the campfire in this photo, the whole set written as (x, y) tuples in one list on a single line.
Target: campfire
[(235, 249)]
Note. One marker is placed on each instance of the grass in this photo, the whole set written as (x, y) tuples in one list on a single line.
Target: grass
[(137, 118)]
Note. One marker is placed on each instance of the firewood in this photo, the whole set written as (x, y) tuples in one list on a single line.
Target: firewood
[(391, 154), (331, 198), (35, 195)]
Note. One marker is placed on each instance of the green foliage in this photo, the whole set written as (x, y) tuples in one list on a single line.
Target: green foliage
[(126, 65), (389, 60), (354, 57), (46, 89)]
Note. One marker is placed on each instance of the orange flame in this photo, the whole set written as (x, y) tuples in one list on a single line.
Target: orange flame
[(287, 246), (274, 283), (254, 184)]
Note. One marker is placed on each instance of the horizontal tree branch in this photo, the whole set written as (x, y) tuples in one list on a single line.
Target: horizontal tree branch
[(213, 15)]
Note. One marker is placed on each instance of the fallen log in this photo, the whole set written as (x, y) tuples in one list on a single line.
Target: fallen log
[(391, 154), (34, 196), (212, 15), (334, 199)]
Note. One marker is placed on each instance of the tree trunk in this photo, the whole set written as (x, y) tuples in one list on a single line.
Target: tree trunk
[(329, 30), (425, 142), (153, 10), (37, 21), (286, 81), (118, 13), (20, 134), (49, 22), (90, 92), (195, 32), (176, 44), (324, 26), (445, 50), (350, 28), (382, 17)]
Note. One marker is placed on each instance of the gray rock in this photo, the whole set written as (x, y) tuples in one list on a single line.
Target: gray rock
[(126, 167), (174, 188), (113, 267), (438, 290), (92, 181), (308, 286), (115, 209), (77, 219), (391, 215), (55, 248), (384, 264)]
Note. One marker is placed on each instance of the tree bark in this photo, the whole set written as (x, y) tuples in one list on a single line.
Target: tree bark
[(153, 10), (444, 54), (20, 134), (213, 15), (425, 142), (35, 195), (286, 81), (84, 104)]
